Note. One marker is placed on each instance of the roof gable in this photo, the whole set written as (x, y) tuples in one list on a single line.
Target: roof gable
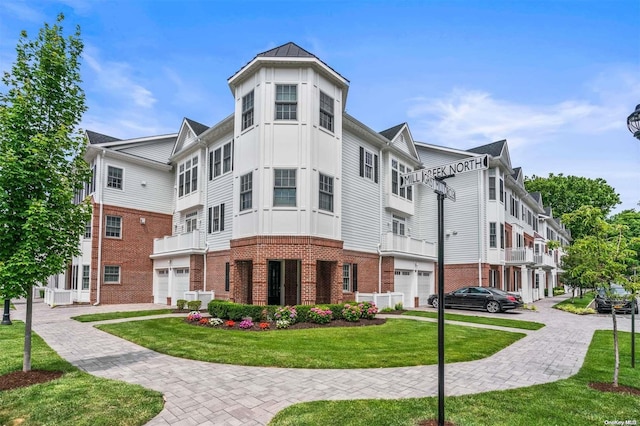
[(401, 139), (189, 132), (287, 50), (498, 149)]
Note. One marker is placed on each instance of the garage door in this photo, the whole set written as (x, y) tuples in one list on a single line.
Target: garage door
[(161, 290), (403, 283), (425, 287), (180, 284)]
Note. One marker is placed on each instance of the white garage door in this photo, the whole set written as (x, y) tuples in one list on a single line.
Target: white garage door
[(180, 284), (161, 290), (425, 286), (403, 283)]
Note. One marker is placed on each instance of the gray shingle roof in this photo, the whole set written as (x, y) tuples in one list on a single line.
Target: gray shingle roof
[(535, 196), (391, 132), (97, 138), (288, 50), (516, 172), (199, 128), (494, 149)]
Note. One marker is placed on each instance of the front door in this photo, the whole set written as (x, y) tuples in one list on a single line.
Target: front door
[(274, 282)]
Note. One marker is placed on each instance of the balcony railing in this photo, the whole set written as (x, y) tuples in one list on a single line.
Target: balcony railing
[(187, 242), (544, 260), (518, 255), (402, 244)]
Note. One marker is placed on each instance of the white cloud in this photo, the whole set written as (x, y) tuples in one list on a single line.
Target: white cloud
[(22, 11)]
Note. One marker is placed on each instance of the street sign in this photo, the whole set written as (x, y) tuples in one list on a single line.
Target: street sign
[(440, 187), (461, 166)]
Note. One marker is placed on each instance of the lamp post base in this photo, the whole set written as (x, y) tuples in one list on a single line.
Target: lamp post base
[(6, 318)]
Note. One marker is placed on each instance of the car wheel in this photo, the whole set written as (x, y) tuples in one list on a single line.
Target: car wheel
[(434, 302), (493, 306)]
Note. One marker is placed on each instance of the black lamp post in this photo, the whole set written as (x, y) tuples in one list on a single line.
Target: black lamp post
[(633, 123), (6, 318)]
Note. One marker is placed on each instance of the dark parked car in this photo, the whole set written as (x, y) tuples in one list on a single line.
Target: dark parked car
[(618, 297), (490, 298)]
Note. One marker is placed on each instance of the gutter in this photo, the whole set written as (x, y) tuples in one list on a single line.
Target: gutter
[(99, 272)]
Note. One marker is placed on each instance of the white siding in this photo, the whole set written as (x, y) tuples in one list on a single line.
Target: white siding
[(220, 190), (158, 150)]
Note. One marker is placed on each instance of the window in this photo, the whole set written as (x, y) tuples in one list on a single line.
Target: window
[(86, 271), (368, 165), (502, 238), (114, 227), (394, 177), (247, 110), (74, 277), (492, 187), (220, 160), (493, 277), (111, 274), (284, 188), (398, 225), (114, 177), (216, 219), (226, 276), (286, 102), (325, 201), (246, 189), (501, 191), (519, 241), (93, 180), (188, 177), (191, 221), (181, 272), (326, 112), (346, 277), (87, 229), (492, 235), (397, 170)]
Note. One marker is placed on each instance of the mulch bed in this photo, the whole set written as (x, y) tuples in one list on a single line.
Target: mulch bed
[(20, 379), (434, 422), (608, 387)]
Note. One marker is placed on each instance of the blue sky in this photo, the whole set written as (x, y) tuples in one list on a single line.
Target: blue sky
[(557, 79)]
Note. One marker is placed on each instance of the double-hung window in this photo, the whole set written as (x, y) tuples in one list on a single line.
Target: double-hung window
[(397, 170), (114, 177), (191, 221), (286, 102), (346, 277), (398, 226), (492, 187), (493, 235), (188, 177), (325, 200), (216, 219), (220, 160), (87, 229), (247, 110), (502, 237), (368, 165), (246, 191), (111, 274), (326, 111), (86, 275), (113, 226), (284, 187)]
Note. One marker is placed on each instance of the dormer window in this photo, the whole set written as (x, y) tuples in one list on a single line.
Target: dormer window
[(286, 102)]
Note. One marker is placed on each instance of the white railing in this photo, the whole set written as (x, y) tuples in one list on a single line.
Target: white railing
[(55, 296), (204, 296), (404, 244), (518, 255), (187, 241), (544, 259), (381, 300)]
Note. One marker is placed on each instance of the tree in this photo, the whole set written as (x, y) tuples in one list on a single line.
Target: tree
[(631, 220), (599, 259), (41, 164), (565, 194)]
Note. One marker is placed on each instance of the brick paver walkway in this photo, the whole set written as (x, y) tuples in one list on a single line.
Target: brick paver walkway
[(200, 393)]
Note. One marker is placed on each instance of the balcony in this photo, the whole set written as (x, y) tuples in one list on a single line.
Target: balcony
[(518, 256), (188, 243), (393, 244), (544, 260)]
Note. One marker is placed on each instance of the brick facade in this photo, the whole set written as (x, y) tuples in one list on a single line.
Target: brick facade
[(216, 273), (131, 252), (463, 275)]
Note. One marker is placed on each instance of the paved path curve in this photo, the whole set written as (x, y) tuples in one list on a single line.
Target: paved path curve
[(200, 393)]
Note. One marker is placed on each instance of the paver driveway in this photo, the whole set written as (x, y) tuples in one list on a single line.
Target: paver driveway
[(200, 393)]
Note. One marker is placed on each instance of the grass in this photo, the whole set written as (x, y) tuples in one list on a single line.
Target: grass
[(117, 315), (502, 322), (396, 343), (578, 302), (565, 402), (76, 398)]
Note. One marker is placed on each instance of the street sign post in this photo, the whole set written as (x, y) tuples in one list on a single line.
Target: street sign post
[(434, 178)]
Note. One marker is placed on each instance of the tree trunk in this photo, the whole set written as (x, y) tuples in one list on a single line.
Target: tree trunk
[(616, 368), (26, 362)]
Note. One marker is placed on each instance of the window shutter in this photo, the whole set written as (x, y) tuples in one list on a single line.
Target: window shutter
[(222, 217), (354, 272), (232, 155), (209, 220), (226, 276), (375, 168), (361, 162), (210, 165)]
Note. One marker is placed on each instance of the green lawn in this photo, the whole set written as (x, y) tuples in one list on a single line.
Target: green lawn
[(578, 302), (502, 322), (396, 343), (117, 315), (565, 402), (76, 398)]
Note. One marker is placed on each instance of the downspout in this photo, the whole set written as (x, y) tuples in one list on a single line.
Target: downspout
[(480, 226), (99, 272), (204, 280), (381, 195), (379, 269)]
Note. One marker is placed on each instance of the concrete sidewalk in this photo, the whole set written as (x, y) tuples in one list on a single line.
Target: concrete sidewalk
[(200, 393)]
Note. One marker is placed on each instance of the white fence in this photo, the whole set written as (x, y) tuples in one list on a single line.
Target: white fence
[(204, 296), (55, 296), (381, 300)]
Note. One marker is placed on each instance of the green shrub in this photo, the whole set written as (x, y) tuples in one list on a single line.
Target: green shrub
[(351, 313), (181, 303), (574, 310), (219, 308), (194, 305), (399, 306), (546, 292), (558, 291), (386, 310), (303, 313), (336, 308)]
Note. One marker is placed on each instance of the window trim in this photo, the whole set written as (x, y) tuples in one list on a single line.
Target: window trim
[(120, 185), (325, 190), (191, 219), (246, 191), (105, 274), (277, 200), (292, 111), (106, 226), (327, 106), (399, 225), (216, 219), (493, 235), (188, 176), (363, 164), (248, 105)]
